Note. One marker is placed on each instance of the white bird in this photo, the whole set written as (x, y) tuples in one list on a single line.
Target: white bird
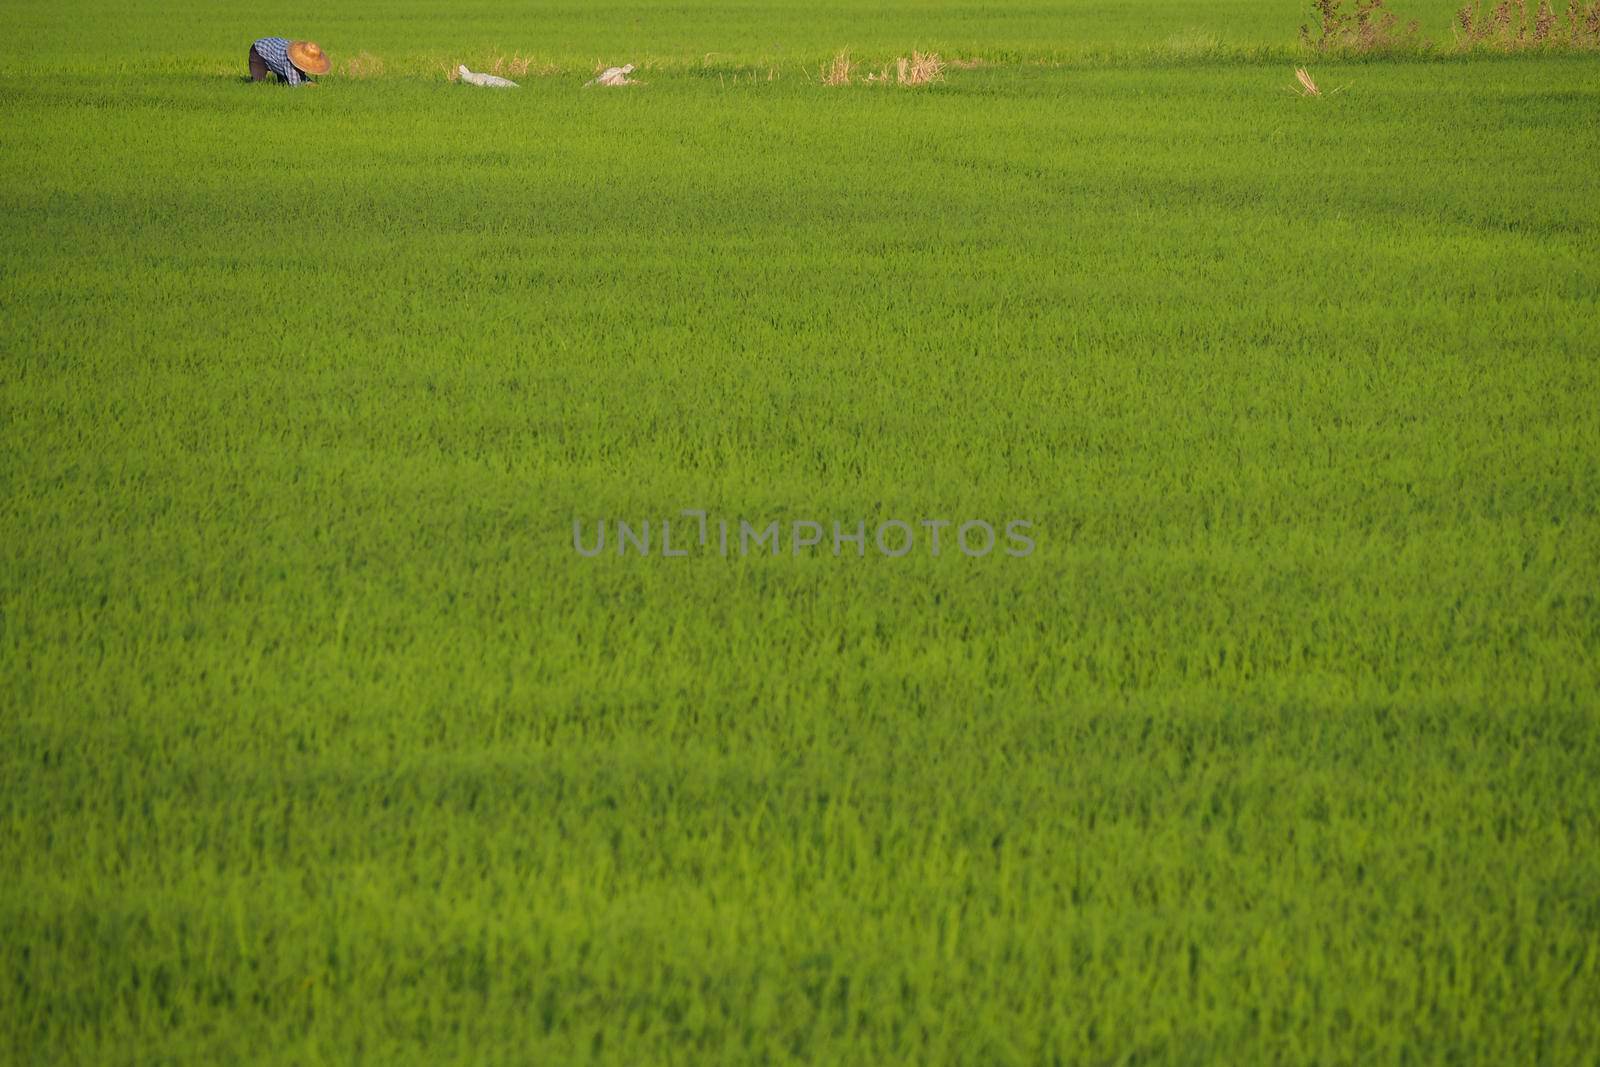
[(488, 81), (611, 76)]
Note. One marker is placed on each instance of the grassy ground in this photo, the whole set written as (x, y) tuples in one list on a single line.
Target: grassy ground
[(192, 37), (319, 741)]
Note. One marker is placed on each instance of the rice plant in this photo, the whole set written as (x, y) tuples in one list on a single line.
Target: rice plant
[(320, 742)]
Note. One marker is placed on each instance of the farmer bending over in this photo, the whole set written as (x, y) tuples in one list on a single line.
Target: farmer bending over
[(292, 61)]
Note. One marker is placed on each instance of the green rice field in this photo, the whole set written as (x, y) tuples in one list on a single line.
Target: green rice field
[(1262, 726)]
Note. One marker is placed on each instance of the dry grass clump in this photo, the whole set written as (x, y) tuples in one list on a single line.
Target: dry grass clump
[(838, 71), (920, 69), (1372, 28), (365, 65), (515, 65), (1506, 27), (1307, 86), (520, 66)]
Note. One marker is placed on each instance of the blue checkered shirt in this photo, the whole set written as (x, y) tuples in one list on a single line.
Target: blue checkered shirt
[(274, 51)]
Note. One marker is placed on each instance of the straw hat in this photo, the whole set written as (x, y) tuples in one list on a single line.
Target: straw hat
[(308, 56)]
